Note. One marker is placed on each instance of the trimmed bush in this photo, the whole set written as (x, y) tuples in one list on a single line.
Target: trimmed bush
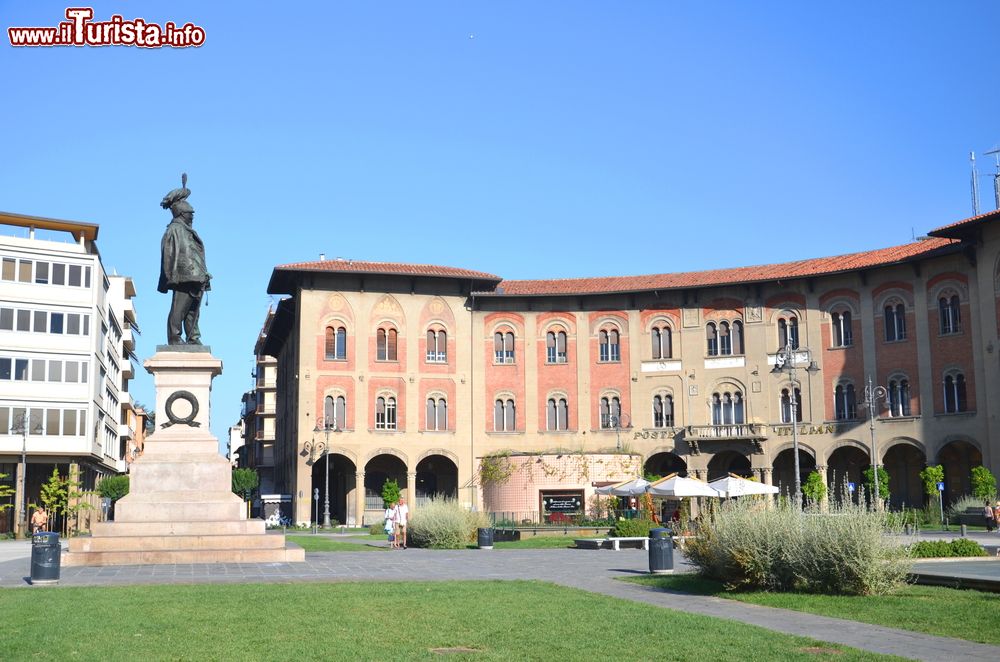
[(632, 528), (934, 549), (444, 524), (844, 551)]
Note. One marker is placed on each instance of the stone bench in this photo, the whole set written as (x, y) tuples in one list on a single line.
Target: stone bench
[(589, 543), (616, 542)]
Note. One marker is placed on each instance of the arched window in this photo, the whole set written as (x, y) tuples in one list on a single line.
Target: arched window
[(787, 405), (437, 414), (385, 413), (336, 343), (845, 403), (608, 345), (899, 397), (737, 339), (955, 399), (557, 417), (727, 408), (712, 334), (725, 340), (504, 416), (951, 314), (663, 411), (843, 332), (788, 332), (503, 347), (437, 346), (335, 412), (895, 323), (611, 411), (385, 346), (555, 347), (662, 342)]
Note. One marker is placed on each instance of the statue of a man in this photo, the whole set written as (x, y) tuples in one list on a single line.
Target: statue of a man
[(182, 268)]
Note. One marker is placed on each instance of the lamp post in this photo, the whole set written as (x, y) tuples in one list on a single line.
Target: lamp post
[(21, 424), (784, 361), (325, 429), (311, 448), (874, 393), (616, 422)]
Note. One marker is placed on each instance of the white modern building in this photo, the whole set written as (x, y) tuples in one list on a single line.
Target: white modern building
[(66, 350)]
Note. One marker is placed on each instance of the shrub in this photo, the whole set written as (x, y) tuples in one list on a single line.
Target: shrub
[(633, 528), (814, 488), (883, 482), (984, 484), (781, 549), (390, 492), (113, 487), (962, 503), (444, 524), (932, 549), (376, 529)]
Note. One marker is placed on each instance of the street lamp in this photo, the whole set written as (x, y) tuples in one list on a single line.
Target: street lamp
[(314, 451), (784, 361), (21, 425), (874, 393), (326, 428), (616, 422)]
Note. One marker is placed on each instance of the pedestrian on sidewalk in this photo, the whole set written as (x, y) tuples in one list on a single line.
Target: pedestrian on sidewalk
[(390, 524), (991, 520), (402, 515)]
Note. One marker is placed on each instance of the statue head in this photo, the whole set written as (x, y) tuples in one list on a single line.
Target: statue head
[(176, 202)]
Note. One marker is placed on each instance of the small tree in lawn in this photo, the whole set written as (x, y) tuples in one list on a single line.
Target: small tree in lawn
[(53, 495), (6, 492), (814, 488), (931, 476), (883, 483), (245, 481), (984, 484), (390, 492)]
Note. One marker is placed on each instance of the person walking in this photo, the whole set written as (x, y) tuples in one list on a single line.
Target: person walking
[(390, 524), (39, 520), (402, 515), (996, 515), (991, 520)]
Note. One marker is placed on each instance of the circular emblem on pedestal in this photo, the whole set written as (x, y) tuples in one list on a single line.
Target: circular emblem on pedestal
[(188, 419)]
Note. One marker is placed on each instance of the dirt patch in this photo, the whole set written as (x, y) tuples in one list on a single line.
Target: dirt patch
[(454, 650), (818, 650)]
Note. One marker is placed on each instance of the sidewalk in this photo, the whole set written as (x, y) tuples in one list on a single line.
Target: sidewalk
[(594, 571)]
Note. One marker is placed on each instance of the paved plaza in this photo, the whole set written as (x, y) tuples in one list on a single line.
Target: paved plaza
[(594, 571)]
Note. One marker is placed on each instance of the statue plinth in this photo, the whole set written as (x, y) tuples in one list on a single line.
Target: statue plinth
[(180, 507)]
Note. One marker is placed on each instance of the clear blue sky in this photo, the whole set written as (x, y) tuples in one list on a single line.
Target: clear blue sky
[(527, 139)]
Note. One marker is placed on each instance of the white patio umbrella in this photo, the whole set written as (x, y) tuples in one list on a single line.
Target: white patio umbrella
[(630, 487), (675, 486), (735, 486)]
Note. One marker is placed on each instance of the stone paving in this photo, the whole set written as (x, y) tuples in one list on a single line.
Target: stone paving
[(594, 571)]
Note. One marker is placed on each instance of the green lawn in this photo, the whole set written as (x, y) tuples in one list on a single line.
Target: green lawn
[(323, 544), (346, 621), (537, 542), (947, 612)]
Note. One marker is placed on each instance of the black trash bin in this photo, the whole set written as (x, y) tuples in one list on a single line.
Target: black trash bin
[(661, 552), (46, 555), (485, 538)]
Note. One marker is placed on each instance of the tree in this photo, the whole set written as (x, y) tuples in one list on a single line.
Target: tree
[(390, 492), (7, 491), (814, 488), (245, 481), (53, 494), (984, 484), (883, 482), (931, 476), (113, 487)]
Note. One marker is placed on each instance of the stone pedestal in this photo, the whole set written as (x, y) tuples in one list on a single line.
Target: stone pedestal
[(180, 507)]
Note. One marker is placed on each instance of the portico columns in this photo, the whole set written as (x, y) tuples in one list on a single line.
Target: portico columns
[(359, 500)]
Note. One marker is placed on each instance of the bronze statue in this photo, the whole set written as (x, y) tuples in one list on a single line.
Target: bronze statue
[(182, 268)]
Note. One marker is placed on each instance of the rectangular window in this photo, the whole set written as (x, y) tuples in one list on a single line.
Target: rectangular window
[(69, 423), (83, 372), (51, 422), (42, 273), (73, 324), (6, 319), (81, 417), (9, 268), (58, 274), (41, 322), (86, 325), (86, 279), (71, 371), (38, 370), (55, 371), (24, 271), (56, 322), (5, 368), (35, 418), (21, 370), (4, 420), (24, 320), (74, 275)]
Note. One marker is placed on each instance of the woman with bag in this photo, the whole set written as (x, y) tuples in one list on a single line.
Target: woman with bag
[(990, 516)]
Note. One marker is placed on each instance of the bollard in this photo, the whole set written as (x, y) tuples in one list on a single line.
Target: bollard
[(964, 529), (661, 552), (46, 556)]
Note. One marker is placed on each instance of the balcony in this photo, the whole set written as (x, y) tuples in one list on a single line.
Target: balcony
[(755, 433), (125, 430)]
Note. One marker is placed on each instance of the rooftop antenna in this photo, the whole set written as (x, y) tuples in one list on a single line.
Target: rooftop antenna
[(995, 152), (975, 185)]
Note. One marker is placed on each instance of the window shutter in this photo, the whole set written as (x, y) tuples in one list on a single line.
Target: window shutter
[(561, 343), (340, 416), (656, 344), (563, 415), (380, 345), (393, 334), (498, 416), (331, 343), (328, 412), (431, 417), (510, 418), (498, 343), (442, 414)]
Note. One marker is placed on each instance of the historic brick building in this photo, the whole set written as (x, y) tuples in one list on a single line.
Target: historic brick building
[(417, 372)]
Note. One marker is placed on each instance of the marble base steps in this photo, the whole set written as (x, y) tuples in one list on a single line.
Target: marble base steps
[(168, 557)]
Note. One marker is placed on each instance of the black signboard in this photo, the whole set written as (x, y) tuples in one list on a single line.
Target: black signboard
[(562, 503)]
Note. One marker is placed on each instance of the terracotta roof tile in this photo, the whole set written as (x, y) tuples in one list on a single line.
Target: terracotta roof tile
[(768, 272), (340, 265), (958, 227)]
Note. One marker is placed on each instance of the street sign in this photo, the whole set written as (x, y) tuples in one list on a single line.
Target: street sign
[(851, 487), (940, 487)]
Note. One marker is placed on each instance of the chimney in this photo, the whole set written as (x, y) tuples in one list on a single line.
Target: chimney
[(322, 257)]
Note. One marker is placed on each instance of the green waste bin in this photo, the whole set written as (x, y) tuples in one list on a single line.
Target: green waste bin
[(46, 555), (661, 552)]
